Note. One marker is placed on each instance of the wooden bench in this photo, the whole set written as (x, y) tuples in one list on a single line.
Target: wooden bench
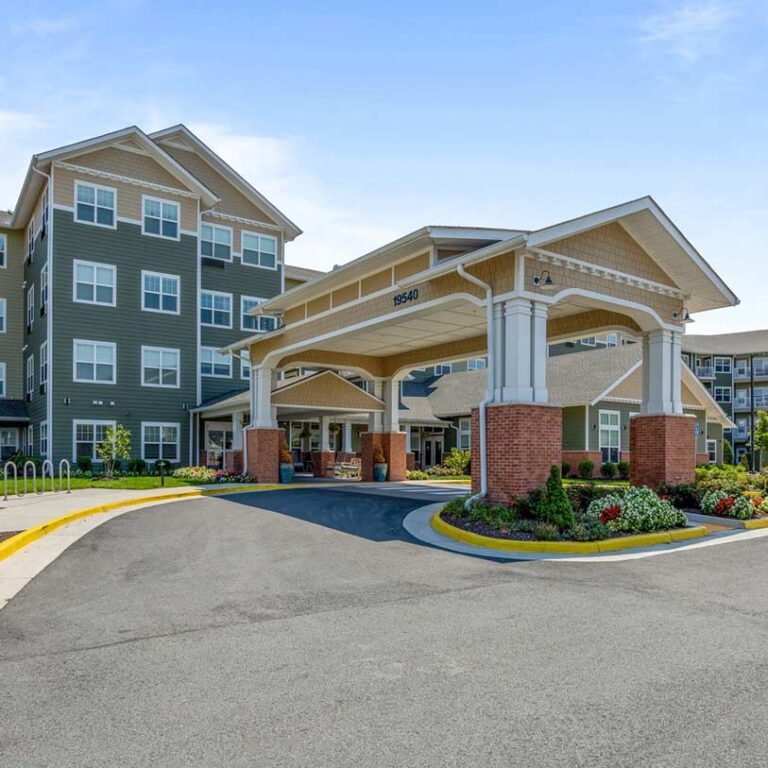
[(347, 468)]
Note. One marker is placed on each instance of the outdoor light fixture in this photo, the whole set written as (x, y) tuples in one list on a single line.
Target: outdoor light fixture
[(686, 316), (545, 282)]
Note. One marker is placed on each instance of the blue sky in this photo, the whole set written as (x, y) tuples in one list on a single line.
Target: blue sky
[(363, 122)]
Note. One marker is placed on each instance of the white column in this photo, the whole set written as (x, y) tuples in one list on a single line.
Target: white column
[(325, 435), (539, 352), (498, 351), (517, 352), (662, 372), (237, 431), (346, 444), (262, 415), (376, 418), (391, 420)]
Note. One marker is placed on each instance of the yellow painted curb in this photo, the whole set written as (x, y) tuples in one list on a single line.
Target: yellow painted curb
[(566, 547), (760, 523), (20, 540)]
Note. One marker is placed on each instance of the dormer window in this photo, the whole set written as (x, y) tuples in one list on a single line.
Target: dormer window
[(95, 205)]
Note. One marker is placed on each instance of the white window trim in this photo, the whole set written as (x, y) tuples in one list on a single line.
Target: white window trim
[(588, 341), (31, 237), (92, 422), (44, 286), (231, 241), (161, 424), (30, 308), (96, 187), (43, 429), (213, 312), (161, 200), (29, 369), (713, 443), (43, 362), (3, 392), (616, 429), (112, 344), (214, 375), (243, 299), (162, 276), (468, 432), (266, 237), (725, 359), (95, 265), (30, 446), (4, 249), (729, 390), (144, 351), (4, 315)]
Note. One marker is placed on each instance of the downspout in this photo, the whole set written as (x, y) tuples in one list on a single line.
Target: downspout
[(489, 392)]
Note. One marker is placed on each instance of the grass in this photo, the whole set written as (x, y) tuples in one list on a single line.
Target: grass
[(598, 481), (119, 483)]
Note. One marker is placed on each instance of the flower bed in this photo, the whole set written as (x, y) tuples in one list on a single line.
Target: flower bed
[(205, 476)]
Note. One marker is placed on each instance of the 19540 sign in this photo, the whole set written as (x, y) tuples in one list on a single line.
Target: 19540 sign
[(407, 296)]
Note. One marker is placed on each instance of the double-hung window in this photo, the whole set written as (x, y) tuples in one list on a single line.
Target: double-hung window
[(610, 435), (465, 434), (31, 307), (30, 377), (44, 438), (722, 365), (160, 367), (159, 440), (94, 283), (722, 394), (259, 250), (31, 238), (3, 315), (216, 242), (442, 369), (478, 364), (94, 361), (214, 364), (258, 323), (245, 364), (2, 379), (88, 436), (3, 251), (44, 288), (43, 363), (95, 204), (216, 309), (160, 293), (161, 218), (712, 451), (589, 341)]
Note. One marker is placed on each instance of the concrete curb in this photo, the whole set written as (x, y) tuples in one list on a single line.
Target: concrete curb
[(727, 522), (567, 547)]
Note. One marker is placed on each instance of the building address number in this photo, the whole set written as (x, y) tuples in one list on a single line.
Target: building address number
[(405, 297)]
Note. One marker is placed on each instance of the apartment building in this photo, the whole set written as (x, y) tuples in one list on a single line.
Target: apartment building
[(128, 262)]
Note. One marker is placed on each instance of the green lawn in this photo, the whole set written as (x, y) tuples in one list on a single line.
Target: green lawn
[(596, 481), (120, 483)]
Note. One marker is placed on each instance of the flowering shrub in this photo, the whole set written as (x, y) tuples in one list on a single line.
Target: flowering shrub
[(743, 508), (724, 507), (641, 510), (204, 475), (732, 480), (710, 500), (761, 505)]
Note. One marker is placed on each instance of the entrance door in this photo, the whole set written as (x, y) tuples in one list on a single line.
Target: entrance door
[(9, 442), (433, 451), (218, 438)]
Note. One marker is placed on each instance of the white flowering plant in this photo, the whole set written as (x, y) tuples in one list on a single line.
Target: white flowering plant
[(710, 500), (639, 510)]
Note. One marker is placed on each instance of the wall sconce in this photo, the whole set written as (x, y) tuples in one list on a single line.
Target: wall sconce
[(544, 282), (686, 316), (594, 427)]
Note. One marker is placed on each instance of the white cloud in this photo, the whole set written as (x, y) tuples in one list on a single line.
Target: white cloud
[(42, 25), (689, 30)]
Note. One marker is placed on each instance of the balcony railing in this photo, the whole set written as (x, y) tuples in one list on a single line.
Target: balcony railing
[(705, 372), (741, 374), (742, 404), (761, 371)]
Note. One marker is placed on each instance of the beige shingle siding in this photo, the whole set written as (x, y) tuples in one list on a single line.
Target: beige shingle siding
[(326, 389), (130, 164)]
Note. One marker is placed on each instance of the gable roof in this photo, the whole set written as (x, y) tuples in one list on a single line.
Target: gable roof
[(744, 343), (327, 390), (229, 173), (292, 272)]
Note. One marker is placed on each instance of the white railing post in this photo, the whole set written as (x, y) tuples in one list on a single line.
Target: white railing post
[(15, 480), (30, 463), (62, 463)]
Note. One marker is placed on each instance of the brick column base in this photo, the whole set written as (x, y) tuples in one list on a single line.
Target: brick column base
[(233, 462), (322, 461), (264, 454), (663, 450), (393, 446), (524, 441)]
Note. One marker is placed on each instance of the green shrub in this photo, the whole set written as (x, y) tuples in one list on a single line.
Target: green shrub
[(84, 463), (20, 461), (608, 470), (555, 507), (455, 507), (589, 529), (565, 469), (743, 508), (639, 510), (546, 531), (416, 474), (139, 466), (744, 461), (457, 461), (727, 452), (586, 468), (581, 495), (623, 468), (495, 515), (197, 474), (682, 496), (732, 480)]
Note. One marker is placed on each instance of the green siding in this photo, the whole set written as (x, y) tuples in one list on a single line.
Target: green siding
[(11, 341), (573, 428)]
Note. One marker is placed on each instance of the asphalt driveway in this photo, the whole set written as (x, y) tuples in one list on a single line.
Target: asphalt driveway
[(306, 628)]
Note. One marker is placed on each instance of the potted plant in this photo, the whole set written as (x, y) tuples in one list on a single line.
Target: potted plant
[(380, 466), (286, 464)]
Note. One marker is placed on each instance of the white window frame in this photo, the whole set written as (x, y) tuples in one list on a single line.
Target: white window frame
[(477, 364), (725, 363), (44, 363), (723, 390), (612, 340), (245, 365), (31, 307), (3, 315), (259, 265), (243, 315), (441, 369), (31, 238), (43, 438), (162, 425), (465, 430), (162, 276), (588, 341), (96, 188), (162, 351), (44, 286), (609, 428), (2, 380), (93, 423), (162, 202), (94, 265), (214, 294), (214, 227), (29, 378), (108, 344), (30, 440), (712, 448), (213, 352), (3, 251)]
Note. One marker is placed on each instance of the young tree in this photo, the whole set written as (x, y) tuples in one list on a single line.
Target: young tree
[(761, 436), (727, 451), (116, 447)]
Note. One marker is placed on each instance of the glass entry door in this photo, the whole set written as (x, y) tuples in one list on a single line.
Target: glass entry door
[(218, 439), (9, 442), (433, 451)]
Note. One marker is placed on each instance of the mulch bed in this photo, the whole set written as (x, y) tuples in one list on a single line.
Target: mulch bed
[(7, 534)]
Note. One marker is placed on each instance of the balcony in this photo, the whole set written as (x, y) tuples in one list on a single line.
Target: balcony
[(742, 404), (705, 372), (761, 371), (741, 374)]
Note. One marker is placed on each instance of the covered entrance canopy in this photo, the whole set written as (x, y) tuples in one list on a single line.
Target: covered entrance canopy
[(450, 293)]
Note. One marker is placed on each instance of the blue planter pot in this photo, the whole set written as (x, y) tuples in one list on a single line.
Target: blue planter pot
[(286, 473), (380, 472)]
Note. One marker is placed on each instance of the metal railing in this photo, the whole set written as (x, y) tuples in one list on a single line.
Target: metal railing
[(705, 372), (30, 468)]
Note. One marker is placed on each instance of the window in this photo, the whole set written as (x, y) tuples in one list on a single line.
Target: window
[(216, 242), (442, 369), (712, 451), (612, 340), (30, 376), (95, 204), (610, 435), (259, 250), (161, 218), (44, 363), (94, 283), (3, 315), (741, 367), (159, 367), (88, 435), (214, 364), (44, 216), (160, 293), (722, 394), (30, 440), (3, 251), (478, 364), (94, 361), (159, 440), (9, 442), (44, 288), (30, 308), (722, 365), (589, 341), (465, 434), (44, 438), (216, 309), (2, 379), (31, 238), (686, 359), (259, 323), (245, 364), (742, 427)]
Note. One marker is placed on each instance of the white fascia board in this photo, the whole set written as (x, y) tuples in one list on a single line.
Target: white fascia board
[(616, 383)]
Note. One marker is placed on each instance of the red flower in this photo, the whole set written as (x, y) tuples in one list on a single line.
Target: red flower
[(610, 513), (724, 506), (757, 502)]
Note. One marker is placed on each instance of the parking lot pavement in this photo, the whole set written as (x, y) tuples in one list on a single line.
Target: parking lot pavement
[(307, 628)]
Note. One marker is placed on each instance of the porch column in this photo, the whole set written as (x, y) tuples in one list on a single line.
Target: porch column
[(233, 460), (376, 418), (263, 437), (324, 457), (391, 417), (384, 433), (662, 439), (346, 443)]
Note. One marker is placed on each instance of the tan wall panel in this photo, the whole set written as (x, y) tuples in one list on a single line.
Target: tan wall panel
[(130, 164), (631, 388), (326, 390), (318, 305), (412, 266), (294, 314), (345, 295), (376, 282), (586, 323)]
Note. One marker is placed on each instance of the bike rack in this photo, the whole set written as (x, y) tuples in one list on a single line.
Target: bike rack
[(65, 463), (47, 464), (15, 480), (34, 476)]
